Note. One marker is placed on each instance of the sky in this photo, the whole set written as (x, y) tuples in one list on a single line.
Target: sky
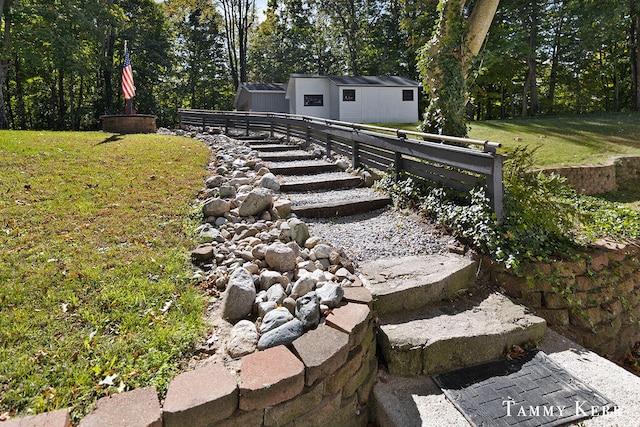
[(261, 5)]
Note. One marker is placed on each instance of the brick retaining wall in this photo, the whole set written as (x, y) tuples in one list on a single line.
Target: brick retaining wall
[(618, 173), (324, 378), (594, 301)]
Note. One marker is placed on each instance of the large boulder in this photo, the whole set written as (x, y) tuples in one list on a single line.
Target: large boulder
[(215, 207), (239, 296), (280, 257), (257, 201)]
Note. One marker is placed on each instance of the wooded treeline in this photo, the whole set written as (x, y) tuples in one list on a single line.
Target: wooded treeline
[(60, 60)]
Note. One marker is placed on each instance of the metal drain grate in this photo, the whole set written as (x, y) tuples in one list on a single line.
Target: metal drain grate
[(527, 392)]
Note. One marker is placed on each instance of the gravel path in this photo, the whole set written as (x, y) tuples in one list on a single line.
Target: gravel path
[(320, 196), (380, 234)]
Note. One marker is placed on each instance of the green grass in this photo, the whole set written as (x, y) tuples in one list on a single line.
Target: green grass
[(563, 140), (95, 295)]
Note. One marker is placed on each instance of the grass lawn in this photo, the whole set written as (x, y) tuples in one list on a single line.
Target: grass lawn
[(95, 289), (563, 140)]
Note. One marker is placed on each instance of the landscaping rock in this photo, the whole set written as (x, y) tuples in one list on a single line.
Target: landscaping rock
[(202, 254), (329, 294), (215, 207), (299, 231), (269, 278), (239, 296), (243, 339), (269, 181), (282, 335), (280, 257), (257, 201), (303, 285), (276, 294), (214, 181), (275, 318), (308, 310)]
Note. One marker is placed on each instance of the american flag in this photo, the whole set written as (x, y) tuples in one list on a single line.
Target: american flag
[(128, 89)]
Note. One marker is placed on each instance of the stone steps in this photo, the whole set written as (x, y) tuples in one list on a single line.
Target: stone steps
[(286, 156), (452, 335), (400, 284), (425, 326), (325, 181), (341, 207), (274, 147), (301, 167)]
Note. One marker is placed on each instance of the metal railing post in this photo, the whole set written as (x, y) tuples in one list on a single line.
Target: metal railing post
[(355, 154), (328, 147), (495, 188), (397, 164)]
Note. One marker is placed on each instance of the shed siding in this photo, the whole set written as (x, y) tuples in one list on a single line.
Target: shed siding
[(312, 86), (270, 102), (351, 111), (379, 104)]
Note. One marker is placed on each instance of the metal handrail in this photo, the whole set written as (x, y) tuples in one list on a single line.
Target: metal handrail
[(486, 163)]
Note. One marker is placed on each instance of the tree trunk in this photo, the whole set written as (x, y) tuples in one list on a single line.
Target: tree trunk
[(62, 108), (22, 115), (4, 57), (555, 60), (531, 87), (107, 70), (478, 27), (634, 50)]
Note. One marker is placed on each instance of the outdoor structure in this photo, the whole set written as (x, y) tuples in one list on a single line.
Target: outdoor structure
[(356, 99), (262, 97)]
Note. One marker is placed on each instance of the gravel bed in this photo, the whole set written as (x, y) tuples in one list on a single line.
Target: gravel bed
[(322, 196), (383, 233), (315, 177)]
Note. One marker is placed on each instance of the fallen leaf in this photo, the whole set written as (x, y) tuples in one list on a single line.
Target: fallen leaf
[(108, 380)]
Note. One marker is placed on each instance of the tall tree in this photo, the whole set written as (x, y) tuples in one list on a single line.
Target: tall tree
[(446, 60), (239, 16), (634, 50), (5, 46)]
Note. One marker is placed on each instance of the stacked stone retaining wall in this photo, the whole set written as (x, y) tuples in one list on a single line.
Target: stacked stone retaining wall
[(620, 172), (594, 301)]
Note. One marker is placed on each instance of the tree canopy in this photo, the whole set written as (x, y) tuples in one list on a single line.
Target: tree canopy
[(60, 61)]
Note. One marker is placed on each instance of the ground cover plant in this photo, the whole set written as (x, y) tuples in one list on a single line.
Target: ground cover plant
[(95, 290)]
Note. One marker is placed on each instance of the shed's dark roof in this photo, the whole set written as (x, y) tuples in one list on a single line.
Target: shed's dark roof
[(372, 81), (278, 87)]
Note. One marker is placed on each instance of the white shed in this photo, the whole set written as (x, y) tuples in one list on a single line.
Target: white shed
[(263, 97), (362, 99)]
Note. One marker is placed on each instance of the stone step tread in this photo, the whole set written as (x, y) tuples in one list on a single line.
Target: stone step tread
[(451, 335), (283, 156), (274, 147), (341, 195), (301, 167), (407, 283), (341, 208), (248, 138), (323, 181)]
